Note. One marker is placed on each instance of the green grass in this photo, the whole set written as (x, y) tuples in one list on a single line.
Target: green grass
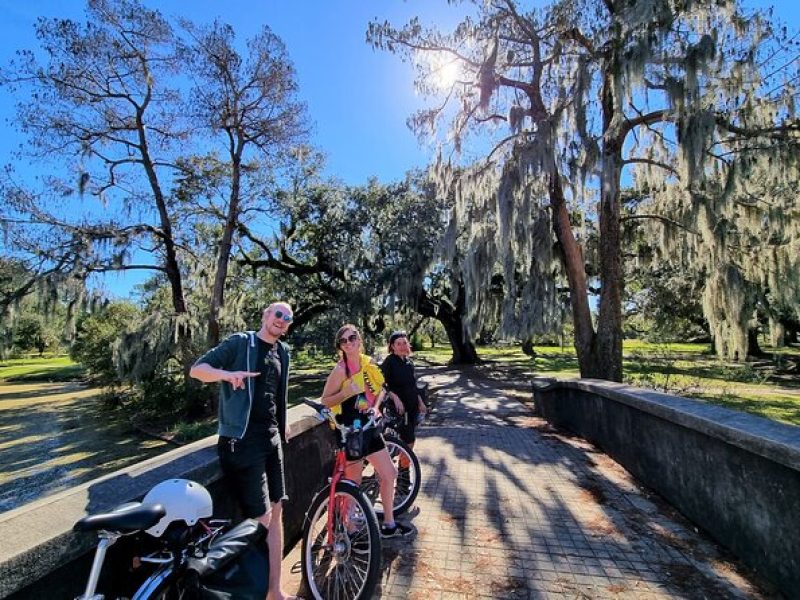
[(184, 432), (59, 368), (304, 362), (307, 376), (632, 346), (305, 387), (689, 370), (784, 407)]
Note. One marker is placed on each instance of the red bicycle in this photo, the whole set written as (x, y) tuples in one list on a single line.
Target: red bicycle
[(341, 550)]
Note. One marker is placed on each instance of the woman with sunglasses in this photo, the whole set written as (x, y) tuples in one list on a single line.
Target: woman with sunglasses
[(353, 387)]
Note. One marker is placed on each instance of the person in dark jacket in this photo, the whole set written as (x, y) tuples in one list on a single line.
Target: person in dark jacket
[(252, 369), (401, 381)]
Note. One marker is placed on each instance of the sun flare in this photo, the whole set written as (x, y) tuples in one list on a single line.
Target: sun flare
[(442, 69)]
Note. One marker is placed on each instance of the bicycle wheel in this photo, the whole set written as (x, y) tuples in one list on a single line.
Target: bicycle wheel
[(347, 569), (408, 479), (159, 586)]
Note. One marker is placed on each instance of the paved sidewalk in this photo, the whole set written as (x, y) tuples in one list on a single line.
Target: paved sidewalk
[(510, 508)]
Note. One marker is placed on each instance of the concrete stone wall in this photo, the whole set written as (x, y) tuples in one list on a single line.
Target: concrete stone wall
[(41, 557), (735, 475)]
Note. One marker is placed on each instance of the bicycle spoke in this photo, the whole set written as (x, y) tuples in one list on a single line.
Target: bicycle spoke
[(347, 568), (350, 582)]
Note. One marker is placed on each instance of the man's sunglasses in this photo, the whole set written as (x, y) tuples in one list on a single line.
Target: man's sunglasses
[(350, 338), (288, 317)]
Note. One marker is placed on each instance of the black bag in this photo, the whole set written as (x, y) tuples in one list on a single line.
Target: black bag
[(236, 566), (359, 443), (354, 446)]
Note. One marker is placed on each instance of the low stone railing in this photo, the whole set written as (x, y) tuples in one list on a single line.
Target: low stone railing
[(41, 557), (735, 475)]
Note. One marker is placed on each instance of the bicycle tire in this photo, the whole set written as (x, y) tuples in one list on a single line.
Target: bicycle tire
[(408, 482), (350, 569)]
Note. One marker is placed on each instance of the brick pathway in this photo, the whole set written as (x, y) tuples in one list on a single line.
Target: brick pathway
[(510, 508)]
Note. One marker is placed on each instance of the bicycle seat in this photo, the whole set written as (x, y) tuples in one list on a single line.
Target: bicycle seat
[(123, 519)]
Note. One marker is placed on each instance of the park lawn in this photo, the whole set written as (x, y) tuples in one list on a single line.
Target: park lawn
[(305, 386), (53, 368), (684, 369), (307, 375), (688, 370), (772, 404)]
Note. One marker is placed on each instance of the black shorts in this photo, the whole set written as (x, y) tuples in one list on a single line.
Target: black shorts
[(372, 442), (253, 476), (406, 426)]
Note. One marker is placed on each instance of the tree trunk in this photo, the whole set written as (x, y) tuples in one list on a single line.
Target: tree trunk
[(464, 352), (777, 332), (608, 344), (224, 256), (527, 347), (576, 276), (171, 266), (452, 319), (599, 353), (165, 232), (753, 348)]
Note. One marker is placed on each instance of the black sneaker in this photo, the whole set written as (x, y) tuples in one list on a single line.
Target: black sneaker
[(397, 530)]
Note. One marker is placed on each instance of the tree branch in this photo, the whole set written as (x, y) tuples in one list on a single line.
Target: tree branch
[(661, 218), (650, 161)]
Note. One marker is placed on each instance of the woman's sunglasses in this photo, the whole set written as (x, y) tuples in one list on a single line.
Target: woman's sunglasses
[(350, 338), (288, 317)]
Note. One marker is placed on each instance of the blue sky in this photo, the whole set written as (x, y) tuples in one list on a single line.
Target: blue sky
[(358, 98)]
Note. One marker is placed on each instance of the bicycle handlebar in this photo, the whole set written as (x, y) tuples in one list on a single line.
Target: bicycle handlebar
[(327, 414)]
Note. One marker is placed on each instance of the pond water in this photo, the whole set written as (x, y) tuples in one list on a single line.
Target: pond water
[(56, 435)]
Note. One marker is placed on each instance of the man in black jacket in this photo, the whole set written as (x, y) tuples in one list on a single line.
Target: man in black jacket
[(252, 368)]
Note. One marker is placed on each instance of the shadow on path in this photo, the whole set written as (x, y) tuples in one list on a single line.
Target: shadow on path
[(512, 508)]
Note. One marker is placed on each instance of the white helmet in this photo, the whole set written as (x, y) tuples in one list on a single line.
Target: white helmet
[(183, 500)]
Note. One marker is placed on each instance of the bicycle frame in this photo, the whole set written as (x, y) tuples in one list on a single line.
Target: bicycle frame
[(169, 561), (338, 474), (340, 462), (107, 539)]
